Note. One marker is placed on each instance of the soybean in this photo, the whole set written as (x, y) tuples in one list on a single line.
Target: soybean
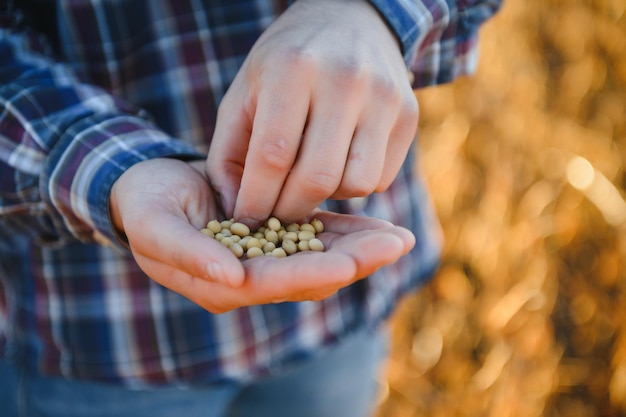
[(316, 245), (253, 252), (274, 224), (289, 246), (214, 226), (273, 238), (236, 249), (318, 225), (240, 229)]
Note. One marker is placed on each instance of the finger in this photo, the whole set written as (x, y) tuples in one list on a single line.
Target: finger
[(175, 243), (337, 225), (295, 277), (212, 296), (401, 137), (348, 223), (304, 276), (280, 117), (371, 250), (336, 241), (227, 153), (322, 156), (308, 274), (366, 158)]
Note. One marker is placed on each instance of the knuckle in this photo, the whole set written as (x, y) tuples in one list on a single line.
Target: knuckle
[(409, 110), (386, 89), (320, 184), (349, 73), (406, 123), (297, 58), (276, 155), (358, 186)]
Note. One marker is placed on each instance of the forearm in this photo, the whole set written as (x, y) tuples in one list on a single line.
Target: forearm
[(63, 144)]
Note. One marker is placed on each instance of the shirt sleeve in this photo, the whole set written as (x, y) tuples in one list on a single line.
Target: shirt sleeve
[(438, 37), (63, 144)]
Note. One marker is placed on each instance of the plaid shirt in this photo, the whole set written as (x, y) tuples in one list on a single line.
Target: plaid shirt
[(111, 83)]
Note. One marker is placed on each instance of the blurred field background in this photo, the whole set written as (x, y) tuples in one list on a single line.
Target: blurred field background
[(526, 164)]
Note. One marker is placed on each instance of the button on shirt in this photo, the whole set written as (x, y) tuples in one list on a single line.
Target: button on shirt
[(110, 83)]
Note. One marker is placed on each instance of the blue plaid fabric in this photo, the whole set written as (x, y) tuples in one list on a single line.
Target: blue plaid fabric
[(106, 84)]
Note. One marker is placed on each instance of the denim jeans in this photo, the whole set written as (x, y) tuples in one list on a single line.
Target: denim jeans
[(339, 383)]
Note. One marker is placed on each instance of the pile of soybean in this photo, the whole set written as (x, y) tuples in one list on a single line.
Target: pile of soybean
[(273, 238)]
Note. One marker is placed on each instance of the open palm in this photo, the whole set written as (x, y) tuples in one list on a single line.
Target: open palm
[(161, 204)]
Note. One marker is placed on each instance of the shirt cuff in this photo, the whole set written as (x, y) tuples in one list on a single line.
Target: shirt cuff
[(91, 156), (410, 21), (438, 38)]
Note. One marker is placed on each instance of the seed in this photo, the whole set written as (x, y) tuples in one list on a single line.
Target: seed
[(253, 252), (279, 253), (272, 239), (293, 236), (318, 225), (244, 242), (269, 247), (307, 226), (240, 229), (271, 236), (316, 245), (214, 226), (253, 242), (274, 224), (305, 235), (289, 246), (227, 241), (236, 249)]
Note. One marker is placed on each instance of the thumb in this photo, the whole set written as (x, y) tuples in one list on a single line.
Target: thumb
[(177, 244)]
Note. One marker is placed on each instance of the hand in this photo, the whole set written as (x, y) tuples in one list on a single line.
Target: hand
[(322, 108), (161, 216)]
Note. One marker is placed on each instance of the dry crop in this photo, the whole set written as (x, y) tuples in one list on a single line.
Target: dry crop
[(525, 160)]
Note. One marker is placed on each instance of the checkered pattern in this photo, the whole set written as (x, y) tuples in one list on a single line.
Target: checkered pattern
[(122, 81)]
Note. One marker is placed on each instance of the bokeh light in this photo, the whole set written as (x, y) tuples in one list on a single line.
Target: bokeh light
[(525, 162)]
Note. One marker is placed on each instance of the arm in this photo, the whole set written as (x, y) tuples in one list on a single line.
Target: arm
[(85, 164), (63, 143), (324, 108)]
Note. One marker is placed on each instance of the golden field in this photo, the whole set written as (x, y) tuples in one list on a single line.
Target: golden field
[(525, 161)]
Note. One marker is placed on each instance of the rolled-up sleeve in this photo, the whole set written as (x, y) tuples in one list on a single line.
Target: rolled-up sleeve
[(63, 144)]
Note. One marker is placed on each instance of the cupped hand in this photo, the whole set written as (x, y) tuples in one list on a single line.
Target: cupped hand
[(322, 108), (161, 204)]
